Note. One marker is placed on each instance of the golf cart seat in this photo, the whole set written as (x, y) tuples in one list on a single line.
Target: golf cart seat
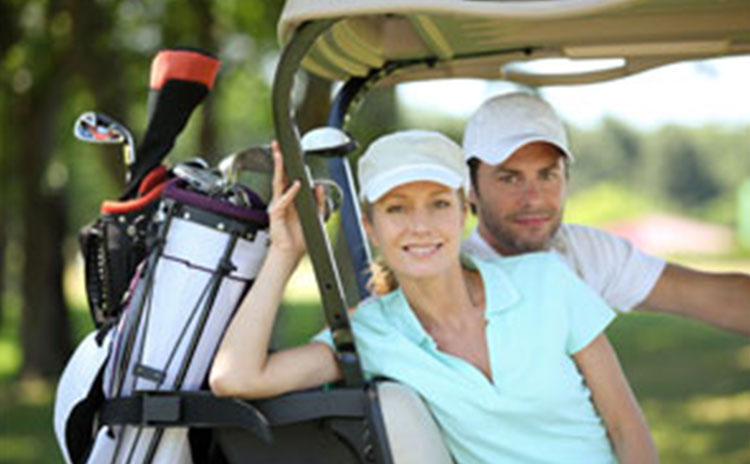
[(384, 423)]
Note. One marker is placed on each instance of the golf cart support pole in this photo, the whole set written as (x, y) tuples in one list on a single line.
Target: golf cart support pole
[(348, 97), (318, 246), (341, 173)]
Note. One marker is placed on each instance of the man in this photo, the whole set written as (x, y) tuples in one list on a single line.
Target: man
[(518, 157)]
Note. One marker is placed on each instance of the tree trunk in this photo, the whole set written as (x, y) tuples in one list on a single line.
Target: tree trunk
[(45, 334), (45, 337), (8, 35), (4, 201), (3, 241)]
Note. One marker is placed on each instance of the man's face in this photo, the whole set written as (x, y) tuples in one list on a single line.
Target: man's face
[(520, 202)]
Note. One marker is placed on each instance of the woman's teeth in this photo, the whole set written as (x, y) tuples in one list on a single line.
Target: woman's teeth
[(422, 250)]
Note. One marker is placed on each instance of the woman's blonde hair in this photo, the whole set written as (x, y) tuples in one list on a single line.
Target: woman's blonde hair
[(382, 279)]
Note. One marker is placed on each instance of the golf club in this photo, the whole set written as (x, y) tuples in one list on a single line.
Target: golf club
[(96, 127)]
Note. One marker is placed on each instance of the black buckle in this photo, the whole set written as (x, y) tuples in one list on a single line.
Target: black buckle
[(160, 409)]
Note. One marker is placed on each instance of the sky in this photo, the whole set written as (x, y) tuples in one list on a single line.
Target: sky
[(691, 93)]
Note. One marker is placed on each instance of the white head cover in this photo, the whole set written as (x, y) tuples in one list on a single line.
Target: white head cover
[(410, 156), (505, 123)]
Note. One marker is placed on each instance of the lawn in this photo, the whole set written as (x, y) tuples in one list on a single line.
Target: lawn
[(692, 381)]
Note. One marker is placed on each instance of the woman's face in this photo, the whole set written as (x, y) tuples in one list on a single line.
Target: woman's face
[(418, 228)]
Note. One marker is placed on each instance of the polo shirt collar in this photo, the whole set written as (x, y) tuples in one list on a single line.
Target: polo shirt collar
[(406, 321), (499, 291), (500, 295)]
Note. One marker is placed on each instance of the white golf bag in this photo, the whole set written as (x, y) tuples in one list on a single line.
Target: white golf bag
[(206, 252)]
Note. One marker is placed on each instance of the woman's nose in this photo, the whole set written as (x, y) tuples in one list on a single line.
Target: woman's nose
[(419, 220)]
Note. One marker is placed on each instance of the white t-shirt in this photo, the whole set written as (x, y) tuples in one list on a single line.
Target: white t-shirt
[(623, 275)]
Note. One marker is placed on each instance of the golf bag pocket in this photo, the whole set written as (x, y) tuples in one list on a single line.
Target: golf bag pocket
[(114, 244), (205, 256), (79, 396)]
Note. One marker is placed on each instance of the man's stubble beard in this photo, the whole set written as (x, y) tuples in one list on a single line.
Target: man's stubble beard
[(505, 241)]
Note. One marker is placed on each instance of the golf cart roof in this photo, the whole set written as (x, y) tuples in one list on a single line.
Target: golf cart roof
[(489, 39)]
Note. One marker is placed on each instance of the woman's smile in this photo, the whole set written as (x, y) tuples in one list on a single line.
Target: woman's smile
[(422, 250)]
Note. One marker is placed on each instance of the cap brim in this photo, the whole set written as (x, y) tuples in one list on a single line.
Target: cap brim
[(498, 157), (387, 181)]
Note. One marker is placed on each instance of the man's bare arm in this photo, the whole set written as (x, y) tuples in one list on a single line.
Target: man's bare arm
[(719, 299)]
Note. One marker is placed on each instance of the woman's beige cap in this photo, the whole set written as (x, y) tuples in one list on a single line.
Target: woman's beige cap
[(410, 156)]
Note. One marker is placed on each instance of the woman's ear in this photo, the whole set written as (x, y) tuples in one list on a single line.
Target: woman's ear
[(369, 230)]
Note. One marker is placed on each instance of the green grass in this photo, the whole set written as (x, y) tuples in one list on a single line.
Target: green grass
[(692, 381)]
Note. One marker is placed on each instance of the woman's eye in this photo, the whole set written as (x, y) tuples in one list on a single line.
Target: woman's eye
[(390, 209), (442, 203)]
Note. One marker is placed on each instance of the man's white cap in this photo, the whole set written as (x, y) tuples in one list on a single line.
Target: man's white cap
[(505, 123), (410, 156)]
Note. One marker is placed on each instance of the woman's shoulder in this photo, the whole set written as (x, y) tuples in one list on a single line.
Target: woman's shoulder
[(373, 309)]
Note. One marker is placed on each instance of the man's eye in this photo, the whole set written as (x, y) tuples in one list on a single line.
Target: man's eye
[(550, 175), (508, 179), (391, 209)]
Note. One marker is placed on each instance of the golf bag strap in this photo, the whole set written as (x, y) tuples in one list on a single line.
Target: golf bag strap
[(184, 409), (201, 409), (313, 404)]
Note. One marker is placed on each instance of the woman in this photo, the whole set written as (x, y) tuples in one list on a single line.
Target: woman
[(509, 355)]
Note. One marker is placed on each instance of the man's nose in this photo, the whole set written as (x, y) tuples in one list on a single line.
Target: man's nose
[(531, 192)]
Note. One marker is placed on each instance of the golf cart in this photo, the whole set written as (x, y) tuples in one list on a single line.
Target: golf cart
[(377, 43), (370, 43)]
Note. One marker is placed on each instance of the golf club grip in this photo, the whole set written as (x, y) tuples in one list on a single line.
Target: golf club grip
[(180, 80)]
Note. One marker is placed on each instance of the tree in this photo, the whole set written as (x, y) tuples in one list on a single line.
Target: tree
[(45, 64), (7, 37), (687, 177)]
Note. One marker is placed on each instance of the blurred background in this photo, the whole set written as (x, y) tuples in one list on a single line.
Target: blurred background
[(661, 159)]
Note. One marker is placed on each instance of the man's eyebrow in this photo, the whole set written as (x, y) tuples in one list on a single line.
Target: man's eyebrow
[(554, 165), (503, 170)]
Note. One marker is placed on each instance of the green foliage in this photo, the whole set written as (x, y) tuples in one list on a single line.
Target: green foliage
[(693, 171), (605, 202), (244, 107)]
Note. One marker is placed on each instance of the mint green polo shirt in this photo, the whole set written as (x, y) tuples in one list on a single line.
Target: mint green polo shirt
[(537, 408)]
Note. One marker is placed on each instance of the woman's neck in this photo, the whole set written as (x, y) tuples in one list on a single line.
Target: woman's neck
[(445, 300)]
